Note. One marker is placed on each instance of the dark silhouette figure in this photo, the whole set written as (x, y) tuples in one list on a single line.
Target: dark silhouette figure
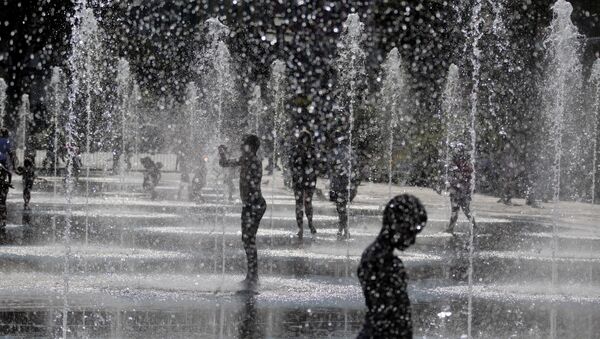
[(460, 173), (253, 203), (8, 160), (198, 181), (343, 185), (508, 168), (28, 173), (304, 180), (382, 274), (152, 176)]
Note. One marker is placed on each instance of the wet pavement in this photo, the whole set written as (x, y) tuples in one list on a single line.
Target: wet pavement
[(167, 268)]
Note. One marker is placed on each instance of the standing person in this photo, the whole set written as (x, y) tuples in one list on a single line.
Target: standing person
[(508, 166), (28, 173), (253, 203), (198, 181), (304, 180), (152, 176), (8, 160), (382, 274), (344, 181), (460, 173)]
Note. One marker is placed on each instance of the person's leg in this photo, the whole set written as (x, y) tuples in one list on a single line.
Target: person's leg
[(26, 195), (342, 211), (3, 211), (308, 208), (455, 207), (466, 207), (298, 195), (251, 217)]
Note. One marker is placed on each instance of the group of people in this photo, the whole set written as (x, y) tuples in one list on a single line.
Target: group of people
[(381, 273), (9, 164)]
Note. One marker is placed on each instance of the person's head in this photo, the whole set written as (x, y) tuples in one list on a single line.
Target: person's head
[(250, 144), (28, 162), (403, 218), (3, 132), (459, 151), (146, 162), (305, 139)]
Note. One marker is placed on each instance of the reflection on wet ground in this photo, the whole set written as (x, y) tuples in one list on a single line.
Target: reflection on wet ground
[(171, 269)]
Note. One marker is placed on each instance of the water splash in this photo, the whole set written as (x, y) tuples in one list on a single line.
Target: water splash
[(24, 121), (474, 50), (84, 41), (277, 87), (595, 82), (393, 96), (124, 87), (350, 68), (214, 68), (3, 88), (562, 78), (195, 120), (57, 96), (133, 107), (257, 111), (453, 115)]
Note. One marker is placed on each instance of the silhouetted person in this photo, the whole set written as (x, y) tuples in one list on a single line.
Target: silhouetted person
[(508, 168), (304, 180), (460, 173), (198, 181), (343, 187), (8, 160), (28, 173), (152, 176), (253, 203), (382, 275)]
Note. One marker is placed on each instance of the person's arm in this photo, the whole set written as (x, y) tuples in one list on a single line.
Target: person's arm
[(223, 161)]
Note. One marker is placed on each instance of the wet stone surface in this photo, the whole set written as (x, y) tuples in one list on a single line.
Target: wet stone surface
[(165, 268)]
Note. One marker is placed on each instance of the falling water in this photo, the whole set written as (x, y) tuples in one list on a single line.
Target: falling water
[(453, 118), (501, 43), (595, 82), (3, 88), (57, 92), (475, 59), (257, 110), (350, 66), (393, 96), (24, 118), (277, 86), (84, 29), (134, 111), (123, 82), (563, 72), (214, 68), (194, 120)]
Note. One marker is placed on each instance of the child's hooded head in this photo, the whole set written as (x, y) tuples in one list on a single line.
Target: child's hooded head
[(403, 218), (250, 144)]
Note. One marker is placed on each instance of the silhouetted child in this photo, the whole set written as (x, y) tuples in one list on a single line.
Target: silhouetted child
[(8, 160), (254, 204), (198, 181), (382, 274), (460, 173), (152, 176), (304, 180), (28, 173)]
